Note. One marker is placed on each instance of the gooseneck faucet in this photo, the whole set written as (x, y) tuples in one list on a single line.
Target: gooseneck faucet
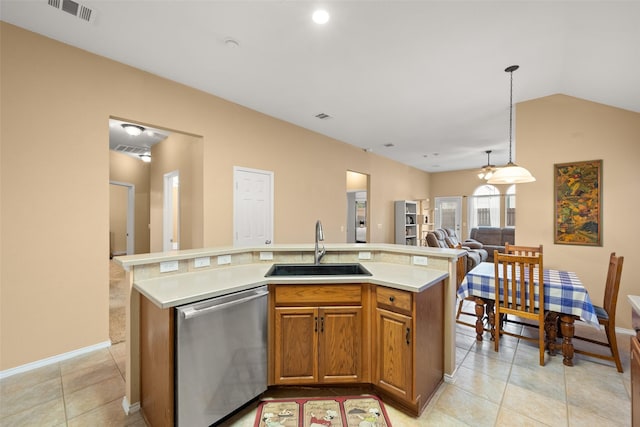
[(319, 253)]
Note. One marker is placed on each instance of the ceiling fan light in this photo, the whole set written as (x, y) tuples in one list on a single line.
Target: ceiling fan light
[(511, 174), (133, 130)]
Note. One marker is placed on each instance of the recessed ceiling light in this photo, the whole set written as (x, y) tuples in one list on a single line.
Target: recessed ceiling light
[(320, 16), (133, 130), (231, 43)]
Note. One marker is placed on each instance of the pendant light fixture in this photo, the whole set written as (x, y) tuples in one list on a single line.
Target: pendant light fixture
[(487, 171), (511, 173)]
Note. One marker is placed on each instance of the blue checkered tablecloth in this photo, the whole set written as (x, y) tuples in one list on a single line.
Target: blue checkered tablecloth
[(563, 291)]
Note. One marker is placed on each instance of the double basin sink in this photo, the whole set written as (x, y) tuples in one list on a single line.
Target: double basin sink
[(355, 269)]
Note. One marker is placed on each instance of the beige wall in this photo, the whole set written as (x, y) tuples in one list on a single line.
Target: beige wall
[(560, 129), (127, 169), (182, 153), (55, 105)]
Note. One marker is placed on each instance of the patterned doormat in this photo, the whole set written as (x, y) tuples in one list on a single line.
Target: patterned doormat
[(351, 411)]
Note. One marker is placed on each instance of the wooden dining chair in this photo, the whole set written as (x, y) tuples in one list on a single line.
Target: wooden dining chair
[(522, 285), (522, 250), (607, 314)]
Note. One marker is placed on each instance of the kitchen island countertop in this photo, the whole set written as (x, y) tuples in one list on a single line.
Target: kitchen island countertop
[(178, 289)]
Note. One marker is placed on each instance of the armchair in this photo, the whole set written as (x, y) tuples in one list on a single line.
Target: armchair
[(438, 239)]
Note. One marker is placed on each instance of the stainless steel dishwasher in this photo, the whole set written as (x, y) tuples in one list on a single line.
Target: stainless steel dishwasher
[(221, 356)]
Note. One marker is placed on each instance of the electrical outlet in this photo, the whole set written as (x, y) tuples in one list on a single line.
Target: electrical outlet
[(168, 266), (204, 261), (420, 260), (224, 259), (266, 256), (364, 255)]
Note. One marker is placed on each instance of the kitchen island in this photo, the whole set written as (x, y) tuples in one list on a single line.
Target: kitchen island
[(407, 284)]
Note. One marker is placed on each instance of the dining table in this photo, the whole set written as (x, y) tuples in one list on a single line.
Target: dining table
[(565, 300)]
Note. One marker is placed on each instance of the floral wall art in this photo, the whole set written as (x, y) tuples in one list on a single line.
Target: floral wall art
[(578, 203)]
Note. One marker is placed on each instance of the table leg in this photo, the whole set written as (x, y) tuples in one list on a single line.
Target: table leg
[(551, 331), (492, 319), (567, 327), (479, 318)]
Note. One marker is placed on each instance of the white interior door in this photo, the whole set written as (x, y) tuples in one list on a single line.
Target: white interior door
[(448, 213), (252, 207), (123, 209), (171, 212)]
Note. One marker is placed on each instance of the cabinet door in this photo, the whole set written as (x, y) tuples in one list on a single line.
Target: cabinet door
[(340, 342), (635, 381), (394, 349), (296, 351)]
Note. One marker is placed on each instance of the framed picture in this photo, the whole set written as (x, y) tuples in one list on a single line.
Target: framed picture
[(578, 203)]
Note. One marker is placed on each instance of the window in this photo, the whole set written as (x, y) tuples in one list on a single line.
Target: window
[(484, 207), (510, 206)]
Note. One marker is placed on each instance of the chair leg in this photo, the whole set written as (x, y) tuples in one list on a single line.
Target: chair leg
[(496, 333), (459, 309), (541, 343), (613, 343)]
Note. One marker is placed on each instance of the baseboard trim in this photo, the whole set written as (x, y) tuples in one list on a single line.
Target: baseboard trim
[(128, 408), (450, 379), (53, 359)]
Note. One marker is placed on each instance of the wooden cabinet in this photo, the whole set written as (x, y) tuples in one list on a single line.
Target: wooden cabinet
[(408, 345), (635, 368), (393, 353), (317, 345), (635, 380), (406, 223), (318, 334), (156, 363)]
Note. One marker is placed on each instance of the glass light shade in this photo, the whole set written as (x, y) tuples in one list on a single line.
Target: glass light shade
[(487, 172), (145, 158), (511, 174)]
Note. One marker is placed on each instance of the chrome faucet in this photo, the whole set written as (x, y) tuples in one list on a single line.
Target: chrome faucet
[(319, 253)]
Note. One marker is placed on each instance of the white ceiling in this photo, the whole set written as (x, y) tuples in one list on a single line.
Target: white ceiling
[(426, 76)]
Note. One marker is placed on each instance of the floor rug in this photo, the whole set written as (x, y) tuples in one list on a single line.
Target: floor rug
[(351, 411)]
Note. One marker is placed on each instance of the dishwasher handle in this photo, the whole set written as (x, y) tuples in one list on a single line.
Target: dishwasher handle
[(191, 312)]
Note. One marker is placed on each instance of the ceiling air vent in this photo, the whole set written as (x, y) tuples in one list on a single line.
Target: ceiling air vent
[(131, 149), (73, 8), (323, 116)]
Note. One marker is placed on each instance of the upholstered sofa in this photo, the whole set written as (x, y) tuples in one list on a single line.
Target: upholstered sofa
[(490, 239)]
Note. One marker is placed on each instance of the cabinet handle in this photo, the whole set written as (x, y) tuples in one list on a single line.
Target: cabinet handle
[(408, 336), (315, 329), (322, 324), (392, 298)]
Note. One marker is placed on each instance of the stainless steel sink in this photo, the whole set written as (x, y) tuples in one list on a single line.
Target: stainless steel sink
[(317, 270)]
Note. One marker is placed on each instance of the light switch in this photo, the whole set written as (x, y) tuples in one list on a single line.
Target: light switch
[(224, 259)]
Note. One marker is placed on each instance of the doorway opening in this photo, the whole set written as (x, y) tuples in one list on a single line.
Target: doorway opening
[(357, 230), (171, 212)]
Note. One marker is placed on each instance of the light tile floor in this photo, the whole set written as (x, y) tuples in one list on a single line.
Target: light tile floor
[(507, 388)]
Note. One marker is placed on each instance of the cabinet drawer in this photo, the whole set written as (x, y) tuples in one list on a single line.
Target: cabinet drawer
[(394, 299), (318, 294)]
